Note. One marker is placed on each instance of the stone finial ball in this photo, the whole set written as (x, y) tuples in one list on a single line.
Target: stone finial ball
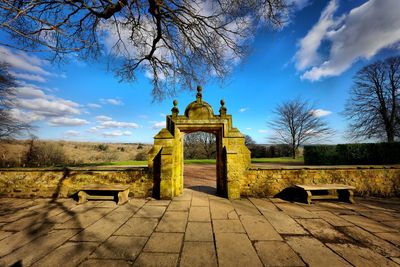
[(222, 102), (175, 102), (199, 88)]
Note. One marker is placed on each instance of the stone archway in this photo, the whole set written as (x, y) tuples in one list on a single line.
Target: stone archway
[(166, 157)]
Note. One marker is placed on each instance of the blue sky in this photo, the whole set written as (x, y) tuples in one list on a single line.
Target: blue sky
[(313, 57)]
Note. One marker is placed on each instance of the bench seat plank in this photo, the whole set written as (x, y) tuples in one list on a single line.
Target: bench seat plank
[(88, 192), (326, 187), (340, 191)]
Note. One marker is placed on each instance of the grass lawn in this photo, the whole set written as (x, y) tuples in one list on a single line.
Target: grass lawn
[(192, 161)]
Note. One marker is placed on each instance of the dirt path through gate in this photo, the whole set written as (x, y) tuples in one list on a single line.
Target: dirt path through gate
[(200, 177)]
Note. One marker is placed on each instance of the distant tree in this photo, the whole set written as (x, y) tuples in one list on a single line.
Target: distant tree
[(200, 145), (177, 42), (10, 127), (374, 105), (248, 141), (296, 123)]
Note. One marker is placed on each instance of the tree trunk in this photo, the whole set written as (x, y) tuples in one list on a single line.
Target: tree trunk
[(294, 151), (390, 136)]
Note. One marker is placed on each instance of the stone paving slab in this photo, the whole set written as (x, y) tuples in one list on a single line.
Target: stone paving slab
[(173, 221), (263, 204), (164, 242), (19, 239), (277, 253), (200, 201), (258, 228), (368, 224), (371, 241), (314, 252), (228, 226), (323, 230), (120, 247), (332, 219), (69, 254), (179, 205), (104, 263), (230, 245), (283, 223), (360, 256), (103, 228), (222, 209), (198, 254), (245, 207), (39, 247), (138, 226), (157, 260), (199, 230), (199, 214), (149, 211)]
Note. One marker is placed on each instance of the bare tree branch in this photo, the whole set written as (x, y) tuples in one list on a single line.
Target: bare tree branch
[(374, 105), (296, 123), (10, 127), (178, 43)]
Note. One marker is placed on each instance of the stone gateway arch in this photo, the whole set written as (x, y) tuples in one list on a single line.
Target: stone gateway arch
[(166, 157)]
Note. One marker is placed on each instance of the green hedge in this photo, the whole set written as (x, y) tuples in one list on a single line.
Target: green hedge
[(344, 154)]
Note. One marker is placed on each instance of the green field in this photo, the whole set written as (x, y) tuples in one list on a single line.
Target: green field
[(194, 161)]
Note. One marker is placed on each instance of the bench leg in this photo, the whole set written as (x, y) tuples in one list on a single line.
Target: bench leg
[(123, 197), (82, 197), (351, 196), (309, 196), (346, 195)]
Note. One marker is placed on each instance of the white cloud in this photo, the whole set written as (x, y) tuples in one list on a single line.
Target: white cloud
[(263, 131), (300, 4), (93, 130), (29, 92), (22, 61), (71, 133), (64, 121), (320, 112), (103, 118), (307, 55), (93, 105), (30, 77), (158, 125), (243, 109), (49, 107), (117, 133), (360, 34), (25, 116), (249, 129), (112, 101), (118, 124)]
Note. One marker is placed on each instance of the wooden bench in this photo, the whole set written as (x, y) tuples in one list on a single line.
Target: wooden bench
[(335, 191), (104, 192)]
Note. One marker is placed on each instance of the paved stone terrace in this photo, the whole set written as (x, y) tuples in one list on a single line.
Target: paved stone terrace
[(197, 229)]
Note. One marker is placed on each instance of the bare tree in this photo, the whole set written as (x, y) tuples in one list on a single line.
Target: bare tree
[(10, 127), (200, 145), (374, 106), (176, 42), (297, 123)]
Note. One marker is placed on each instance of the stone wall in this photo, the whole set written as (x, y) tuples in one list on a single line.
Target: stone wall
[(64, 182), (369, 181)]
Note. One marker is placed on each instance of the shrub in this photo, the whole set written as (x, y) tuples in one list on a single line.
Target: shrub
[(102, 147), (142, 155), (369, 153), (44, 154)]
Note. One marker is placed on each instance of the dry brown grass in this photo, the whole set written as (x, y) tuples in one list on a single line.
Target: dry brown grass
[(12, 153)]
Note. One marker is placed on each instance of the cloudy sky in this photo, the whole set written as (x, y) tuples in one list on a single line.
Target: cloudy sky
[(313, 57)]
